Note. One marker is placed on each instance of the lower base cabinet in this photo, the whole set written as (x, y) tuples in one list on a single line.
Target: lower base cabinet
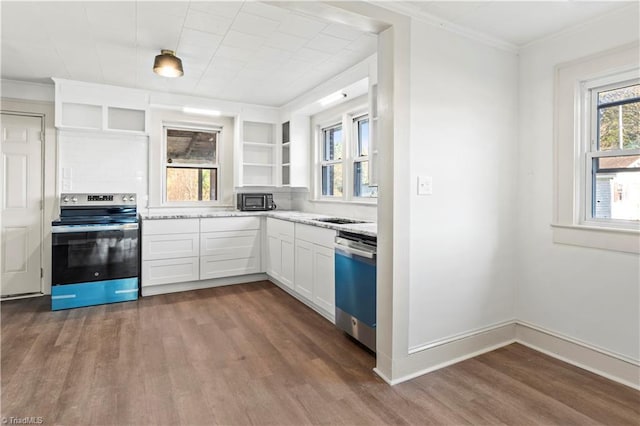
[(281, 251), (186, 250), (314, 279)]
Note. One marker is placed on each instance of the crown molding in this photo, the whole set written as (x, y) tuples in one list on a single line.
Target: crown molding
[(407, 9)]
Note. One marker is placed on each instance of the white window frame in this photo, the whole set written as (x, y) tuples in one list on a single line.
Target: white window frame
[(348, 122), (589, 145), (323, 163), (571, 125), (355, 120), (214, 165)]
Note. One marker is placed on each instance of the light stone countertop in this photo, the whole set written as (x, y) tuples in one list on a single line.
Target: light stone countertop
[(368, 228)]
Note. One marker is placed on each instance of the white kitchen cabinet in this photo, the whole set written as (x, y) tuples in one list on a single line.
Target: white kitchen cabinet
[(315, 267), (169, 271), (280, 251), (170, 251), (90, 106), (303, 283), (231, 247), (170, 246), (324, 279)]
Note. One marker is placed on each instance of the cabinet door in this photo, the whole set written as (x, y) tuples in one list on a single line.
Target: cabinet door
[(287, 264), (171, 246), (274, 256), (169, 271), (303, 277), (324, 279)]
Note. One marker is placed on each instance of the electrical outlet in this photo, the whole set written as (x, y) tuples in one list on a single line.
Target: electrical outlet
[(425, 185)]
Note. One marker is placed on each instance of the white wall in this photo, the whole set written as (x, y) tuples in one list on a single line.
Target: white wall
[(464, 135), (589, 295)]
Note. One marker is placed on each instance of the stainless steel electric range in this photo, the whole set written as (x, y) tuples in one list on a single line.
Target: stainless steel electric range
[(95, 254)]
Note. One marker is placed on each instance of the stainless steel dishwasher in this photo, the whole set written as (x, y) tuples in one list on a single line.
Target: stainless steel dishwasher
[(355, 274)]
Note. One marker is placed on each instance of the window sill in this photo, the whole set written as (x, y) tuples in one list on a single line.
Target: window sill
[(373, 202), (614, 239)]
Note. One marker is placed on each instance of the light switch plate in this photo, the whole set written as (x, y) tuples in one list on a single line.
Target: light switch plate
[(425, 185)]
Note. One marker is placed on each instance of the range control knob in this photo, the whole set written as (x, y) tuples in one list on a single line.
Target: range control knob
[(74, 199), (65, 199), (124, 198), (132, 198)]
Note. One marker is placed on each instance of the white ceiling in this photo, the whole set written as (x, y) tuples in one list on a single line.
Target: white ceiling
[(240, 51), (516, 22)]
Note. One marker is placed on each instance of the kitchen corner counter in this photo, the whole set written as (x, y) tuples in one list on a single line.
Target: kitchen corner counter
[(367, 228)]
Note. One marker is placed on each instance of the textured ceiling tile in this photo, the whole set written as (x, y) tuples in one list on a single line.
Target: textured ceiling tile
[(242, 41), (171, 8), (285, 41), (265, 10), (301, 26), (342, 31), (112, 22), (272, 54), (158, 31), (325, 43), (220, 8), (254, 25), (234, 53), (206, 22)]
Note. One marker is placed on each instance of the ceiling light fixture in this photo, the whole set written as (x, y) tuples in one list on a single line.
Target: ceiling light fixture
[(167, 64), (332, 98), (201, 111)]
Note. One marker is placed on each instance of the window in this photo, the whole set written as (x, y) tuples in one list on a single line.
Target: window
[(344, 159), (596, 152), (361, 186), (192, 171), (331, 161), (612, 160)]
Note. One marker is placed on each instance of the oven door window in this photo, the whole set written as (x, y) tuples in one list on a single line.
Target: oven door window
[(94, 256)]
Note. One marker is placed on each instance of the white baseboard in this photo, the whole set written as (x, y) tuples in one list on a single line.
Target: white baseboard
[(431, 357), (596, 360), (195, 285), (446, 353)]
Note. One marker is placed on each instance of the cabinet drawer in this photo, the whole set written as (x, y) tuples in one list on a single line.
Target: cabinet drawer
[(170, 226), (230, 245), (168, 271), (314, 234), (170, 246), (229, 224), (215, 267), (280, 227)]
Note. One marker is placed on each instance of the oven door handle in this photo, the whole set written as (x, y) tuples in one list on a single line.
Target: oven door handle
[(68, 229)]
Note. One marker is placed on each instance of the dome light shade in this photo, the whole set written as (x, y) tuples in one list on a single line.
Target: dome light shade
[(167, 64)]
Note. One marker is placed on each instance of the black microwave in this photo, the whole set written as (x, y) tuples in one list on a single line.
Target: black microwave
[(255, 202)]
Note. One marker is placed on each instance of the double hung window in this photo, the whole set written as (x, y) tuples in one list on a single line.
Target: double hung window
[(332, 160), (612, 169), (191, 167), (344, 151)]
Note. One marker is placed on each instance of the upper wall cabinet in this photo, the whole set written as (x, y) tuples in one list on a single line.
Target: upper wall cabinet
[(89, 106)]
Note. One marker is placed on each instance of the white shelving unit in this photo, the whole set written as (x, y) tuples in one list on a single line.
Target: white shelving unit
[(258, 154)]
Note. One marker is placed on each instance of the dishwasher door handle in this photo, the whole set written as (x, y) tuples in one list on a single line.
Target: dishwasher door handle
[(357, 252)]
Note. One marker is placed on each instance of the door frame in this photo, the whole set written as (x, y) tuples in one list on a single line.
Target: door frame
[(42, 118)]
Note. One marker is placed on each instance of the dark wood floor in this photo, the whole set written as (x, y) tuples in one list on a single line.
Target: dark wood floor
[(251, 354)]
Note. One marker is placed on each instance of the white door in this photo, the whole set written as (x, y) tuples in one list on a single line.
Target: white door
[(21, 175)]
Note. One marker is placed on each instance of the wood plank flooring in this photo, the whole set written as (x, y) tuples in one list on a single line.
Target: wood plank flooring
[(251, 354)]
